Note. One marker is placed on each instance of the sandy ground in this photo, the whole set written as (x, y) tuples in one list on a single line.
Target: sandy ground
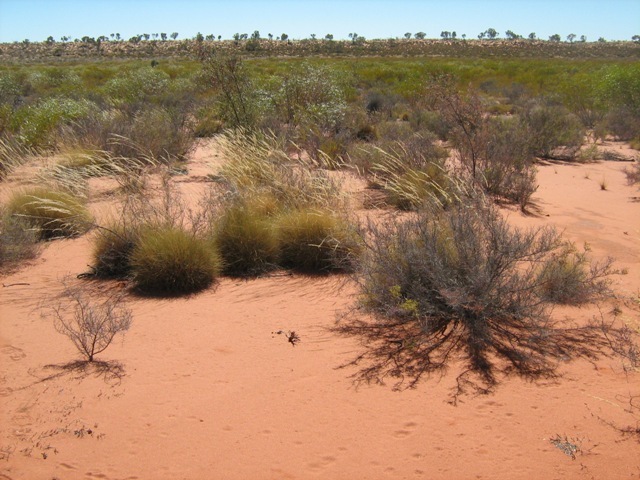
[(204, 388)]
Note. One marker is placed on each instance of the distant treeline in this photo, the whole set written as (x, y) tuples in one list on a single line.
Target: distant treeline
[(89, 47)]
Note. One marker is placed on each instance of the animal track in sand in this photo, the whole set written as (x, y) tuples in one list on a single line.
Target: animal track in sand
[(408, 429), (323, 463), (13, 353)]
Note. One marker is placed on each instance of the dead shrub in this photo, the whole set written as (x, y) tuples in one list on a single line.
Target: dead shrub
[(90, 324)]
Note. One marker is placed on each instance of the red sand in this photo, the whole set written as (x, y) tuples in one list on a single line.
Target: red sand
[(210, 391)]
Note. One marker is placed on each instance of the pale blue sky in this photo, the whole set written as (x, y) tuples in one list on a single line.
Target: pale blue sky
[(37, 19)]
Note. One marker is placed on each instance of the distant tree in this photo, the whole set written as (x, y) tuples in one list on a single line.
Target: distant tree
[(64, 39), (146, 36), (464, 36), (636, 38), (87, 39), (199, 37), (50, 40), (420, 35), (328, 37), (118, 38), (511, 35), (284, 37), (236, 37), (454, 35), (255, 35), (313, 36), (174, 35), (571, 37), (155, 36), (244, 36), (219, 37), (210, 37), (491, 33), (481, 35), (602, 40), (163, 36), (112, 35), (26, 42), (554, 38), (134, 39), (532, 36), (445, 35), (270, 35), (583, 38)]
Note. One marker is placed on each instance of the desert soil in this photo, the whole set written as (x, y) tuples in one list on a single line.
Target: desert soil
[(204, 388)]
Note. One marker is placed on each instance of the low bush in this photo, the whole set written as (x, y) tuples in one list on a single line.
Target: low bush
[(316, 241), (148, 132), (569, 277), (37, 124), (170, 261), (507, 161), (622, 123), (461, 281), (51, 213), (552, 127)]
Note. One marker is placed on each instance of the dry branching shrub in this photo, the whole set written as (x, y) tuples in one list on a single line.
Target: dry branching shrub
[(89, 323), (495, 154), (633, 173), (171, 261), (51, 213), (460, 282)]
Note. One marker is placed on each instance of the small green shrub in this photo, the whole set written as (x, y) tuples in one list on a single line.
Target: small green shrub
[(622, 123), (551, 127), (247, 239), (317, 241), (148, 132), (36, 124), (51, 213), (170, 261), (137, 85)]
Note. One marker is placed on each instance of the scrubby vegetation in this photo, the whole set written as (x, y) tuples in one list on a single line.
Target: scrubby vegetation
[(444, 141)]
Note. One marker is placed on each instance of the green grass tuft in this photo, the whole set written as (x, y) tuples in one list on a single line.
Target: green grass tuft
[(50, 212), (170, 261), (316, 241)]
